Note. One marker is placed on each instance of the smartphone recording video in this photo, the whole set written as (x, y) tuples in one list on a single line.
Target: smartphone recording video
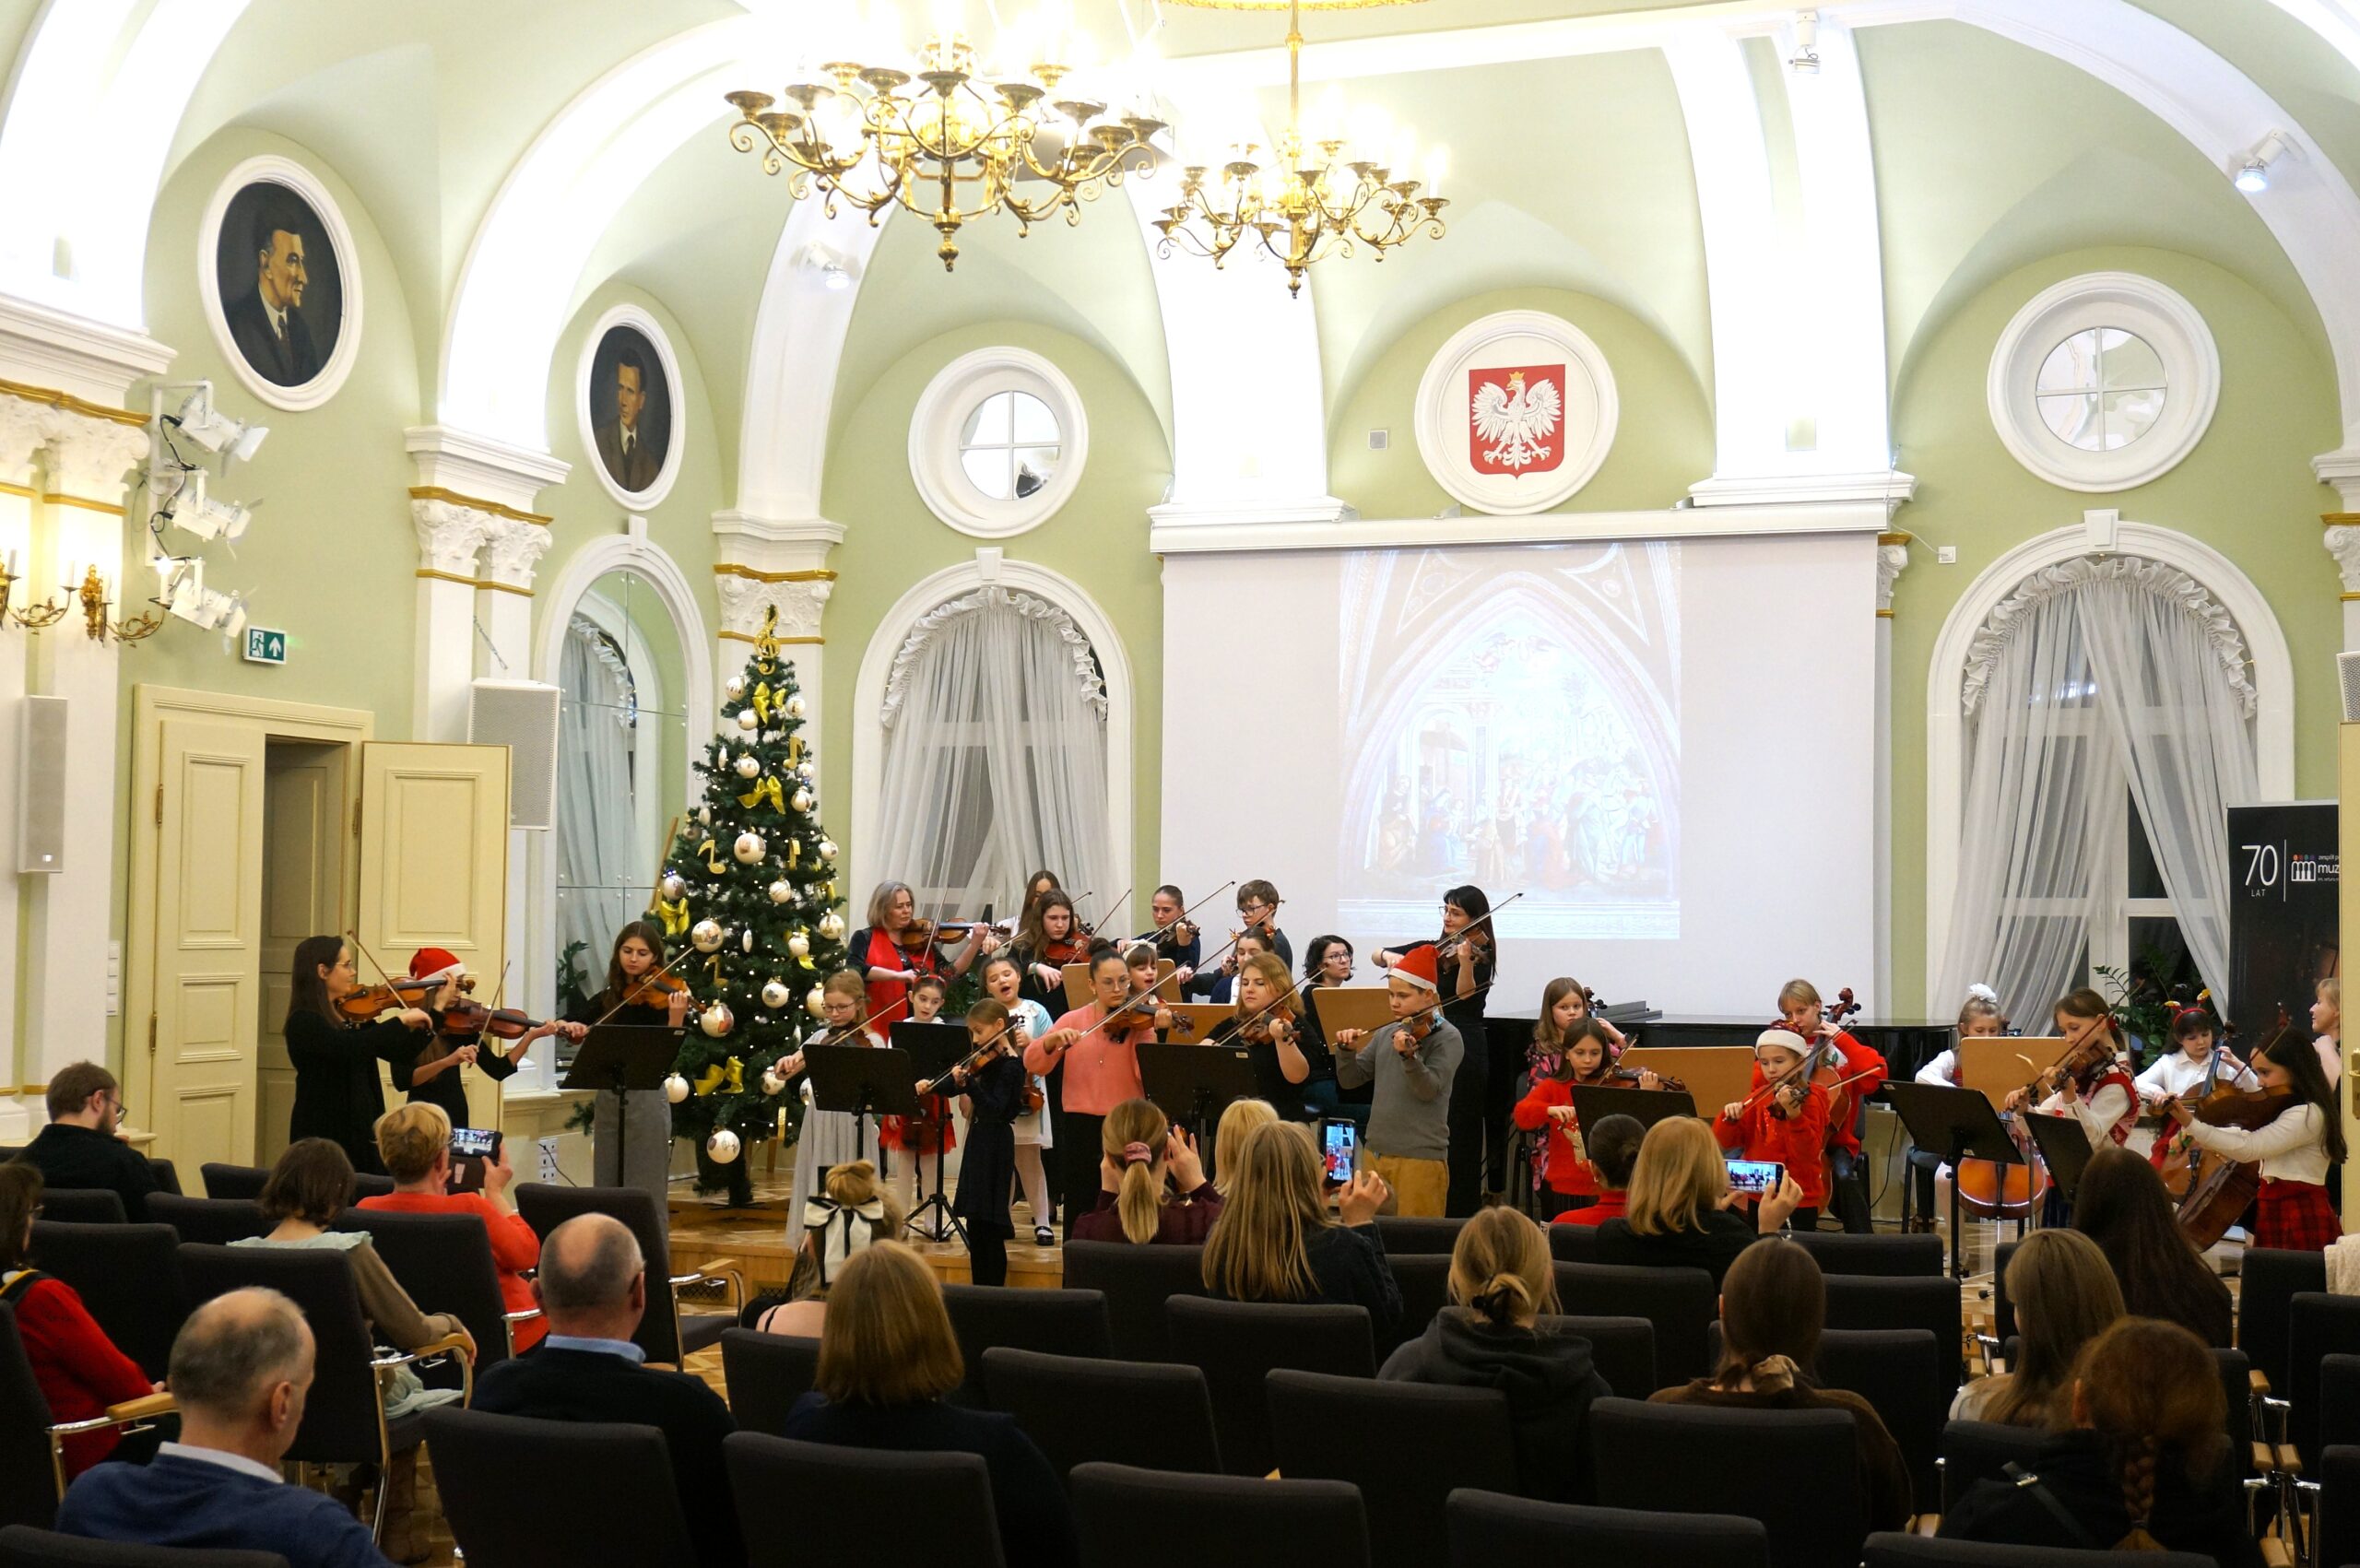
[(1756, 1178), (1339, 1147)]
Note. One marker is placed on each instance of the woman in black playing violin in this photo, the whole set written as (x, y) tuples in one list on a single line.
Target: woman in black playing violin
[(336, 1093), (1464, 958)]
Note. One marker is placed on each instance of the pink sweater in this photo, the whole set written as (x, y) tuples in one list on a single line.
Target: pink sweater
[(1101, 1072)]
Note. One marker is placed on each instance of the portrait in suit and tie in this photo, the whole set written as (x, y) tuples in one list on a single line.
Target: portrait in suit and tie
[(280, 284), (630, 409)]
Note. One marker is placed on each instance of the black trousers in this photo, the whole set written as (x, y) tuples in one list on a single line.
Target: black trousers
[(732, 1178), (1077, 1160), (986, 1255), (1847, 1191), (1469, 1091), (1503, 1065)]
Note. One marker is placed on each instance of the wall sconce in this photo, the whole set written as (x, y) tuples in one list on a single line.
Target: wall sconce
[(32, 618), (95, 605)]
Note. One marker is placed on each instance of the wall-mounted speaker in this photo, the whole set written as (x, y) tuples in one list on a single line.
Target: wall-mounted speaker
[(2347, 676), (41, 785), (521, 715)]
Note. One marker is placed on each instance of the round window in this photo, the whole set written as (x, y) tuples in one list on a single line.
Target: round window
[(1009, 445), (2100, 389)]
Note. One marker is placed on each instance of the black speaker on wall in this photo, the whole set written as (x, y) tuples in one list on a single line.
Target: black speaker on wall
[(40, 784)]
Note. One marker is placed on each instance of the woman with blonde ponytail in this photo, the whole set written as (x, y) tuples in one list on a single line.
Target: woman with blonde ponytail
[(2144, 1465), (1142, 1153), (1494, 1337)]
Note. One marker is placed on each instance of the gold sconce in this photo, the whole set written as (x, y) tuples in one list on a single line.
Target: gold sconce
[(32, 618), (95, 605)]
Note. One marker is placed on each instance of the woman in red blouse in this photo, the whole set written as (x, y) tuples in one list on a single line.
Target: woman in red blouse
[(79, 1370), (877, 952)]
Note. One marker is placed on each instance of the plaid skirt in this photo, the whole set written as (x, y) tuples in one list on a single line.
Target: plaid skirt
[(2295, 1216)]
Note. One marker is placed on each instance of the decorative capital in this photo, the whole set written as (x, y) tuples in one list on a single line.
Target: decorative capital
[(2341, 469), (88, 456), (506, 476), (516, 549), (2342, 541), (1892, 558), (449, 534), (25, 429), (799, 600)]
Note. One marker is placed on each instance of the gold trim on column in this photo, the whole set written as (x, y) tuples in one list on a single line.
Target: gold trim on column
[(2349, 598), (26, 490), (1885, 615), (70, 402), (436, 492), (2341, 519), (1896, 538), (783, 642), (494, 585), (56, 498), (730, 569)]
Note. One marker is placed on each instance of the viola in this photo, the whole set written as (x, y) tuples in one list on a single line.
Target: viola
[(469, 1017), (373, 1002), (654, 990)]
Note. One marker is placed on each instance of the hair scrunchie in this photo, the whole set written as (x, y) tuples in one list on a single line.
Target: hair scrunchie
[(1138, 1154)]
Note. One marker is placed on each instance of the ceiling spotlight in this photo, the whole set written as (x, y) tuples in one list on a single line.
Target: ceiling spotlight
[(836, 271), (2253, 175), (193, 511), (1804, 61), (216, 431)]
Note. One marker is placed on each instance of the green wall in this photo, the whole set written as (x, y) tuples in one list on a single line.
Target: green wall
[(2246, 490), (1098, 540)]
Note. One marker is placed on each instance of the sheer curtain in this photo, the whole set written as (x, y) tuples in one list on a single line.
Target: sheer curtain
[(995, 755), (2098, 682), (596, 817)]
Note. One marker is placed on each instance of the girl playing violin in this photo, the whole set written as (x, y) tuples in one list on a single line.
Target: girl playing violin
[(337, 1092), (1800, 1005), (2295, 1149), (432, 1075), (893, 949), (995, 1088), (1177, 938), (1003, 979), (912, 1139), (828, 1137), (1787, 1124), (1270, 1024), (1565, 1002), (1046, 943), (1097, 1047), (1979, 1016), (1584, 1055), (638, 993), (2090, 1083), (1139, 959)]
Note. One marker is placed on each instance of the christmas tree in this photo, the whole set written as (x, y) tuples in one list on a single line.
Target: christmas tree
[(750, 883)]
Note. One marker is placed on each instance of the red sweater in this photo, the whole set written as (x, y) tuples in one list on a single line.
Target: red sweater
[(79, 1370), (1612, 1203), (1857, 1058), (1564, 1173), (1798, 1142), (514, 1248)]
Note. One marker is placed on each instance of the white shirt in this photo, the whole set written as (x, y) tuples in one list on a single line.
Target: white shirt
[(2097, 1112), (1942, 1070), (227, 1460), (2289, 1148), (2177, 1075), (277, 318)]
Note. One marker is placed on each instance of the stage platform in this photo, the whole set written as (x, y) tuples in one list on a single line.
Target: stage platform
[(703, 1231)]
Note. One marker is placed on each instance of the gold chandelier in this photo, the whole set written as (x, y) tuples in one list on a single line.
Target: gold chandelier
[(949, 141), (1317, 195)]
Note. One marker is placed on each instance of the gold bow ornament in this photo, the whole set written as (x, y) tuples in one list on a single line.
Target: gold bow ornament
[(765, 788), (729, 1078)]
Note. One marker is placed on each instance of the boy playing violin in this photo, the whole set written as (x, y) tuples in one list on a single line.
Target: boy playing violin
[(1412, 1062)]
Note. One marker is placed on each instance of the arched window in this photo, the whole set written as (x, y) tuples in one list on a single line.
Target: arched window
[(2109, 713), (995, 730)]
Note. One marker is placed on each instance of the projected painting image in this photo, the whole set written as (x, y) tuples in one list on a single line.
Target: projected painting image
[(1511, 719)]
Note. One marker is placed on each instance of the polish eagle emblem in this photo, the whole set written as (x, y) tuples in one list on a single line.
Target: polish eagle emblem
[(1513, 415)]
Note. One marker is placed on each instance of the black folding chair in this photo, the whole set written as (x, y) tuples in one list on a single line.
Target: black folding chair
[(1353, 1428), (444, 1262), (1236, 1344), (129, 1279), (21, 1546), (1885, 1256), (168, 1178), (765, 1374), (1900, 1373), (1063, 1404), (1424, 1280), (1680, 1303), (1573, 1243), (1707, 1459), (1622, 1350), (1973, 1451), (215, 1220), (1889, 1548), (1136, 1282), (232, 1181), (1867, 1302), (1488, 1530), (858, 1508), (594, 1491), (33, 1457), (83, 1206), (1236, 1521), (2268, 1281), (1062, 1323), (1413, 1235)]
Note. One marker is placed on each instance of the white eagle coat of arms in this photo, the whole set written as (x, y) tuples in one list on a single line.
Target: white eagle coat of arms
[(1513, 415)]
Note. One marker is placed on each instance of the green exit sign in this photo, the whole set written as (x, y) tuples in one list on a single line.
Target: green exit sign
[(265, 646)]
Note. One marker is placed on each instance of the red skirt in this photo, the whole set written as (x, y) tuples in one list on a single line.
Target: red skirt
[(2294, 1217), (919, 1133)]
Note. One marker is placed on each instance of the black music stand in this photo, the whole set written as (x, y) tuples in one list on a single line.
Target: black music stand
[(624, 1057), (1956, 1124), (1594, 1102), (2065, 1149), (1194, 1084), (862, 1081), (933, 1048)]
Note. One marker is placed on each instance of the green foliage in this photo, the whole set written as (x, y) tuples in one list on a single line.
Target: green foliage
[(571, 993), (2140, 999), (756, 928)]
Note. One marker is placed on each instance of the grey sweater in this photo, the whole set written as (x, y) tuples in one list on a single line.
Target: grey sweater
[(1410, 1116)]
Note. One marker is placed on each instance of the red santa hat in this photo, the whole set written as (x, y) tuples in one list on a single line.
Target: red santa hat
[(1417, 967), (434, 963)]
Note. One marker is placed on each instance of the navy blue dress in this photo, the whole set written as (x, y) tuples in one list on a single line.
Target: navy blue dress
[(988, 1169)]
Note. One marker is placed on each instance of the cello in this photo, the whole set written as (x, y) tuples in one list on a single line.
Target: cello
[(1990, 1190), (2220, 1189)]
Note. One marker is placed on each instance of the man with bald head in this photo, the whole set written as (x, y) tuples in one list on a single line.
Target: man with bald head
[(240, 1370), (592, 1289)]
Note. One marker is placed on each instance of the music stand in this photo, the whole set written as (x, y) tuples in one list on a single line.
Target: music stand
[(1594, 1103), (933, 1049), (2065, 1148), (1956, 1124), (862, 1081), (624, 1057), (1193, 1084)]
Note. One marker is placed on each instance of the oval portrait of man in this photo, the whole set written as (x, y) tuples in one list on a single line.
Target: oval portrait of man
[(281, 284), (630, 409)]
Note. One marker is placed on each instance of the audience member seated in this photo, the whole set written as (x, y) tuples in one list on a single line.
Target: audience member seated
[(415, 1144), (2122, 1206), (79, 1370), (1275, 1241), (887, 1360), (1141, 1152), (240, 1370), (1679, 1197), (1773, 1306), (2143, 1465), (80, 1147), (850, 1213), (2065, 1297), (1242, 1118), (1501, 1281), (1613, 1147), (592, 1289)]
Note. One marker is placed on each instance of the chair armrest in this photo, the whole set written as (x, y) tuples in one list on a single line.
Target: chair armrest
[(385, 1362), (144, 1407), (525, 1316), (2256, 1380), (719, 1270)]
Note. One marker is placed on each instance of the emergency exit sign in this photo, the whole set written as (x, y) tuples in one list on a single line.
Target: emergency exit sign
[(265, 646)]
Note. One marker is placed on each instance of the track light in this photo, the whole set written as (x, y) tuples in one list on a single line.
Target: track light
[(836, 271), (193, 511), (1804, 61), (216, 431), (2253, 176)]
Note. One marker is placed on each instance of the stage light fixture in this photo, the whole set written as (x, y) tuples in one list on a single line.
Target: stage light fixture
[(2253, 176)]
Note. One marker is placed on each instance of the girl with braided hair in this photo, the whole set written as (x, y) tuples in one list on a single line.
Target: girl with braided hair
[(2143, 1467), (1501, 1282)]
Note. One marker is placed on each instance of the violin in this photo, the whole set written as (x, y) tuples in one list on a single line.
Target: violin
[(373, 1002), (919, 936), (1473, 936), (1631, 1076), (1063, 950), (468, 1017), (653, 990)]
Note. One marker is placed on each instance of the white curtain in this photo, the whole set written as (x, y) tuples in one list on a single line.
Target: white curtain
[(596, 821), (994, 756), (2096, 683)]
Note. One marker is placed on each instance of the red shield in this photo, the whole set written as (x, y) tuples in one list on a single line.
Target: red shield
[(1516, 419)]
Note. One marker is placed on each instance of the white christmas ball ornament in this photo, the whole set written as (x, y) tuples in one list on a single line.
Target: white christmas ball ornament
[(749, 766), (707, 935), (831, 926), (746, 940), (800, 799), (783, 892), (674, 887), (827, 849), (799, 945), (721, 1145), (816, 1002), (749, 719), (717, 1020), (676, 1088), (775, 994), (794, 706), (773, 1084), (736, 687), (749, 849)]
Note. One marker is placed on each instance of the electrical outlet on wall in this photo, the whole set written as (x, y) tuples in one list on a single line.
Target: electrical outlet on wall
[(1946, 554), (549, 1160), (1379, 439)]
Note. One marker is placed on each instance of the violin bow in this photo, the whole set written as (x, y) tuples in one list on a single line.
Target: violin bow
[(361, 947), (664, 968), (1482, 920), (1108, 918), (972, 1058), (1182, 918)]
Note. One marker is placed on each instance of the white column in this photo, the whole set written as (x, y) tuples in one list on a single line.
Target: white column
[(24, 427), (767, 564), (1893, 558), (449, 535), (2342, 541), (513, 549)]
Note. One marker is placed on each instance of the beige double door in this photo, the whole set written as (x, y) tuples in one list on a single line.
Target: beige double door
[(251, 855)]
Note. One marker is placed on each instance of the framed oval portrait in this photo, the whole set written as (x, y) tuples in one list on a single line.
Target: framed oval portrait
[(629, 402), (276, 264)]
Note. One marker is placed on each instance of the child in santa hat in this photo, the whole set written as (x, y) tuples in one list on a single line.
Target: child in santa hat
[(433, 1076), (1412, 1062)]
